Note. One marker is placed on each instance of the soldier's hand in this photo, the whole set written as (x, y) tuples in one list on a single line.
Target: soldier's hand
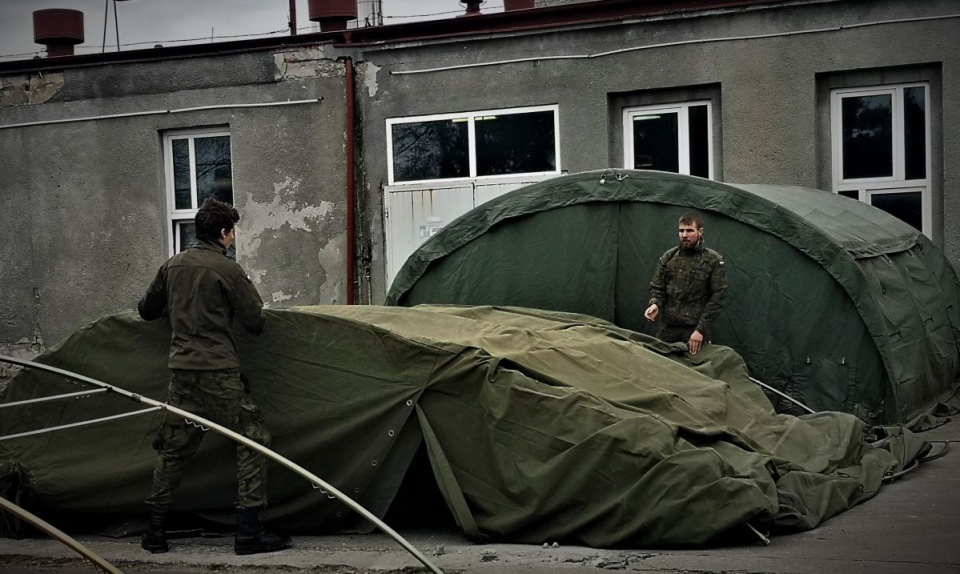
[(652, 312), (695, 342)]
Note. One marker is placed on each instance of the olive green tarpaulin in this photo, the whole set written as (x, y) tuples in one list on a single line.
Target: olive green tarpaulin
[(538, 426), (837, 303)]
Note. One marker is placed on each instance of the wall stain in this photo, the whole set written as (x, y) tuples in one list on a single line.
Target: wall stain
[(286, 246)]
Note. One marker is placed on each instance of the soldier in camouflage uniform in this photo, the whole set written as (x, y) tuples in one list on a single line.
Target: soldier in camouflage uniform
[(688, 287), (201, 290)]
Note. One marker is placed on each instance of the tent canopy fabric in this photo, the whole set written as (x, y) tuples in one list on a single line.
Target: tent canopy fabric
[(837, 303), (539, 426)]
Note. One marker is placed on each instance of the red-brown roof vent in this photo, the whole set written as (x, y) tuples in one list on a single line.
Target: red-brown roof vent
[(509, 5), (333, 14), (59, 29)]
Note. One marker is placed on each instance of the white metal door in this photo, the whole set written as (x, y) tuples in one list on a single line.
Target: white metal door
[(414, 213)]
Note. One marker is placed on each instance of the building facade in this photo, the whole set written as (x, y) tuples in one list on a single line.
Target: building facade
[(346, 150)]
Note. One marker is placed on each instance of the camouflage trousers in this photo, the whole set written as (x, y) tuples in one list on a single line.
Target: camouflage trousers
[(218, 396), (676, 333)]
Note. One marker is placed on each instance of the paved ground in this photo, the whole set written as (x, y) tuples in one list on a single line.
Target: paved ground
[(912, 527)]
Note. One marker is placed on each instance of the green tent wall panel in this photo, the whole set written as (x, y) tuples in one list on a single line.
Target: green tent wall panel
[(835, 302)]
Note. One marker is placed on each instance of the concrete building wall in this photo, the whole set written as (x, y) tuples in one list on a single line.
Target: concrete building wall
[(766, 64), (83, 208), (83, 212)]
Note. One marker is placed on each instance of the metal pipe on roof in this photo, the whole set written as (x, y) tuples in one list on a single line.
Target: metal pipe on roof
[(673, 44), (156, 112)]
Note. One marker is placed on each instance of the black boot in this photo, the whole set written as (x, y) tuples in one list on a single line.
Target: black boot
[(252, 538), (155, 538)]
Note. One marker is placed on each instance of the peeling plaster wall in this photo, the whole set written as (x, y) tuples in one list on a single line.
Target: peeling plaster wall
[(83, 213), (29, 89), (767, 87)]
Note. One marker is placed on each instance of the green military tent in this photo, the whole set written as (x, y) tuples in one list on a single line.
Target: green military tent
[(837, 303), (536, 427)]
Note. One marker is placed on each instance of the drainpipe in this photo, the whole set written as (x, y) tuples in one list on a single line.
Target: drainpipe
[(293, 17), (351, 187)]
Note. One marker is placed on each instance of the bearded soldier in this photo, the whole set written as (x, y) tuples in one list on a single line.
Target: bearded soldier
[(687, 289)]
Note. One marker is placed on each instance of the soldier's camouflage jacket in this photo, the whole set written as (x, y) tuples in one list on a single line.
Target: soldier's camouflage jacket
[(688, 287)]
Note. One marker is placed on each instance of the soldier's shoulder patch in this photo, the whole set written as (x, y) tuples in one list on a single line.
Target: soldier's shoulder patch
[(720, 263)]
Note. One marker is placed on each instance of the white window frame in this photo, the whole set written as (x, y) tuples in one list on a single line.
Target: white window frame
[(174, 215), (683, 131), (471, 118), (868, 187)]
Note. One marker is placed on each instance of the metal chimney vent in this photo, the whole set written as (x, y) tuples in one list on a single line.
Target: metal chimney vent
[(333, 14), (473, 7), (58, 29)]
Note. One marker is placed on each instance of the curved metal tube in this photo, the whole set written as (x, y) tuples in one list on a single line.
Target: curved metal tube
[(54, 532), (314, 480), (79, 394), (784, 395)]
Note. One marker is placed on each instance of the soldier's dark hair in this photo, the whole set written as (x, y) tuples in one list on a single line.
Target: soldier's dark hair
[(213, 216), (692, 218)]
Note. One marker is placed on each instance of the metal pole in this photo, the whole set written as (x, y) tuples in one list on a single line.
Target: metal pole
[(79, 424), (784, 395), (314, 479), (59, 535), (80, 394)]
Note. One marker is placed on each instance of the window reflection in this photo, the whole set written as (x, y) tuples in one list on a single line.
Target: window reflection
[(915, 132), (655, 142), (181, 174), (699, 141), (867, 124), (515, 143), (186, 233), (430, 150), (214, 175), (906, 206)]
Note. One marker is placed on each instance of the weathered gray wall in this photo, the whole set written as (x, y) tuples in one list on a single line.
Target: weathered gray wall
[(83, 224), (82, 205), (768, 88)]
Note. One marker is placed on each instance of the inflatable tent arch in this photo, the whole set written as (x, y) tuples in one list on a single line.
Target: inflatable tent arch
[(835, 302)]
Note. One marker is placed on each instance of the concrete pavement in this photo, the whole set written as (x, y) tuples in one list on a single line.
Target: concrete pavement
[(911, 527)]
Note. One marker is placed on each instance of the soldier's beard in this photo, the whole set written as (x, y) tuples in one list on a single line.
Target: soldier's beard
[(689, 244)]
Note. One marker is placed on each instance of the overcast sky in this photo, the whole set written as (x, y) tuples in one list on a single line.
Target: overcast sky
[(144, 23)]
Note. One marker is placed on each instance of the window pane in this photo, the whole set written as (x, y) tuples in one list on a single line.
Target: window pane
[(915, 132), (186, 234), (214, 173), (699, 141), (867, 136), (430, 150), (852, 194), (515, 143), (181, 174), (655, 143), (907, 206)]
